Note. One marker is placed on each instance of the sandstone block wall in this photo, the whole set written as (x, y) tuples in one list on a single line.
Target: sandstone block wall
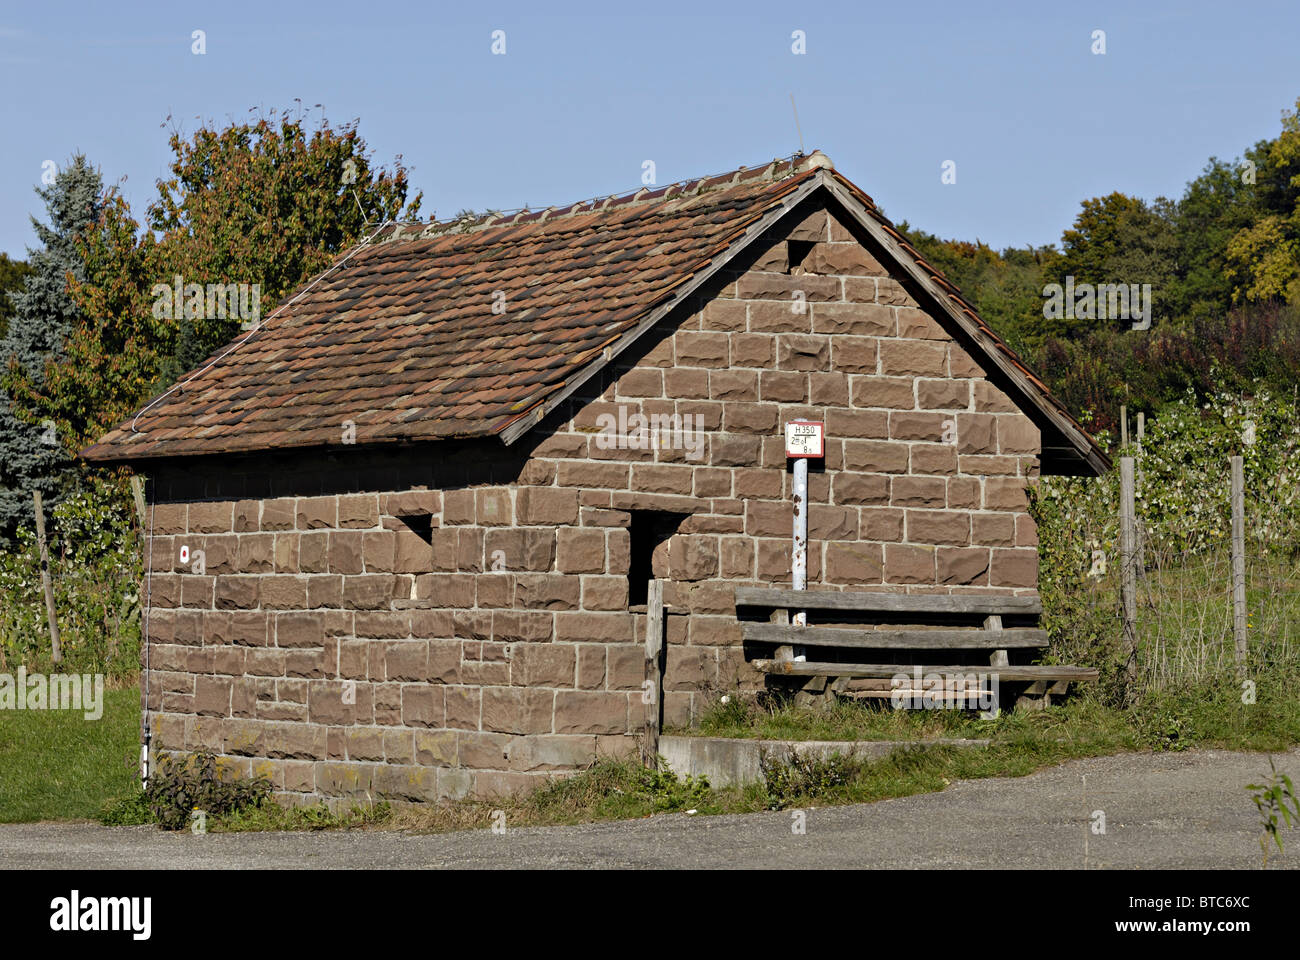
[(433, 623)]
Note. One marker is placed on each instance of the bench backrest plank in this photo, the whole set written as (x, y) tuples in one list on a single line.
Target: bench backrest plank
[(868, 602), (894, 639)]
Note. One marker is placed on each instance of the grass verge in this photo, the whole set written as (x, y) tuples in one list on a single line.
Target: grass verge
[(1208, 714), (57, 765)]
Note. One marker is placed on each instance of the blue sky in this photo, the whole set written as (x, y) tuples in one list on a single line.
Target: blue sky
[(585, 93)]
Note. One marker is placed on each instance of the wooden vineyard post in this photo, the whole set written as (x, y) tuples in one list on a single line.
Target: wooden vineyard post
[(651, 692), (1239, 563), (1128, 568), (1139, 528), (45, 578), (137, 491), (998, 658)]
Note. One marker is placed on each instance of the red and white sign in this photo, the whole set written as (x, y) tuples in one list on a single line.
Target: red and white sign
[(805, 439)]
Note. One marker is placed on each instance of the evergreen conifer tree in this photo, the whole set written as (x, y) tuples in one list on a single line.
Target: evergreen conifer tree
[(31, 455)]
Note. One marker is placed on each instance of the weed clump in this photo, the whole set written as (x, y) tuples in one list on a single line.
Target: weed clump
[(798, 776), (182, 784)]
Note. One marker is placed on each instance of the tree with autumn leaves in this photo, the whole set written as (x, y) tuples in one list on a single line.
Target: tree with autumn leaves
[(1223, 262), (267, 202)]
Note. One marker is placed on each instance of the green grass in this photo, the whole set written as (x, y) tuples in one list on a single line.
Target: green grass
[(747, 717), (608, 790), (1207, 714), (620, 790), (1185, 626), (56, 765), (270, 815)]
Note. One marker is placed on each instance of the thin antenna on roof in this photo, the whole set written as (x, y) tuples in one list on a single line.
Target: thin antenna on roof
[(796, 122)]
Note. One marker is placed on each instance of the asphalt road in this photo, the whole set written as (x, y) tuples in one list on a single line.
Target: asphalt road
[(1162, 811)]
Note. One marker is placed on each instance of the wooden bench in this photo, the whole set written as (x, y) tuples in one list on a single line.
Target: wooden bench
[(935, 624)]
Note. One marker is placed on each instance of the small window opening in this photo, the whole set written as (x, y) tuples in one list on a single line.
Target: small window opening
[(648, 532), (796, 253), (421, 524)]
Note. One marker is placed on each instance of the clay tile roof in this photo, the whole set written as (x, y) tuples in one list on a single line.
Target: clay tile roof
[(472, 327), (403, 339)]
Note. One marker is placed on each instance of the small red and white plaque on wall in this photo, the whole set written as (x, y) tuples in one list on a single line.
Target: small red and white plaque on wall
[(805, 439)]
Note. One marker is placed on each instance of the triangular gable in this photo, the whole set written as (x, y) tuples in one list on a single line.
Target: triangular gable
[(1067, 448)]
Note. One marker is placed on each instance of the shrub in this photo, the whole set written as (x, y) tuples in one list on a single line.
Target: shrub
[(1252, 346), (181, 784), (1271, 801), (798, 776), (668, 792)]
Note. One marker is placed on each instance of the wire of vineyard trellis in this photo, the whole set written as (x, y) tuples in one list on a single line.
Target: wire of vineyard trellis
[(1185, 604), (1184, 628)]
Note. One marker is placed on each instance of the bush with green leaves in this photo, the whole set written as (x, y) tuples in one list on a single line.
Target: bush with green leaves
[(1271, 801), (797, 776), (183, 783), (669, 792), (95, 552), (1182, 490)]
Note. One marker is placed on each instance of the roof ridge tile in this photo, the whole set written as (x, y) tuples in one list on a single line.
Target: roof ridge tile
[(496, 219)]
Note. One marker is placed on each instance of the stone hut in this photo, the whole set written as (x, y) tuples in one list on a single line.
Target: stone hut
[(402, 529)]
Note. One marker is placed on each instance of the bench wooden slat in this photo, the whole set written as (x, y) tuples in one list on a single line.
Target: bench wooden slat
[(942, 639), (951, 694), (864, 601), (800, 668)]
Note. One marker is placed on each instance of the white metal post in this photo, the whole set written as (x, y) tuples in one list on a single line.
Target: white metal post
[(803, 439), (799, 554)]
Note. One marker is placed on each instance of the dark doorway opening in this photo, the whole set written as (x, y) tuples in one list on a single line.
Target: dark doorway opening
[(648, 531)]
